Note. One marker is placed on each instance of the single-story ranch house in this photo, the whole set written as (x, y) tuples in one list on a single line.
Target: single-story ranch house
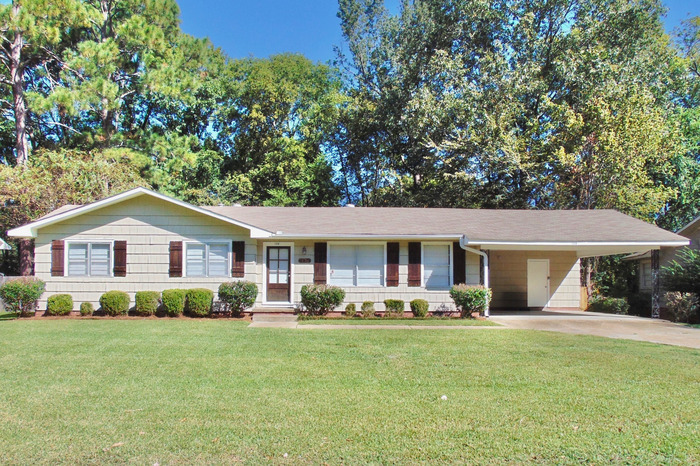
[(143, 240)]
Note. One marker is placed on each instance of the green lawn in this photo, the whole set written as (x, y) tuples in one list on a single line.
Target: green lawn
[(406, 321), (214, 391)]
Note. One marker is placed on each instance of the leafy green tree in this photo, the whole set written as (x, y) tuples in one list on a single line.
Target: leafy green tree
[(685, 177), (502, 98), (30, 31), (52, 179), (273, 128), (126, 50)]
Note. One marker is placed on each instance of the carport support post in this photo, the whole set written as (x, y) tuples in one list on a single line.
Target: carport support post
[(655, 285)]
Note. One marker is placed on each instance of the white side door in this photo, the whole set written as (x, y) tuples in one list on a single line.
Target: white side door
[(537, 282)]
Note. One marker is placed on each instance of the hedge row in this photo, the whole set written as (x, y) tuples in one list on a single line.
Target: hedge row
[(467, 299), (21, 296), (235, 297)]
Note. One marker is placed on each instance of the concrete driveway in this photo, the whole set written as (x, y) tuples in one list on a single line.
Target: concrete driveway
[(603, 325)]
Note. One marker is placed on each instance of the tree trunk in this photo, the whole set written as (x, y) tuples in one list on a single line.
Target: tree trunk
[(107, 123), (19, 103), (26, 257)]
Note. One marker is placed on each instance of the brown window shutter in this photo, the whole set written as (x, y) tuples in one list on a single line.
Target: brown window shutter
[(459, 269), (175, 259), (320, 258), (57, 258), (392, 264), (238, 259), (414, 264), (120, 258)]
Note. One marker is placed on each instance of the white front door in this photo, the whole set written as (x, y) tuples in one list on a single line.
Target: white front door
[(537, 282)]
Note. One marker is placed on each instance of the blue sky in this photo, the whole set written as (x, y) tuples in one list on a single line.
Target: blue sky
[(264, 27)]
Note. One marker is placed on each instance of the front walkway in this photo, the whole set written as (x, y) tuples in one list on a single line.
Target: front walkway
[(603, 325)]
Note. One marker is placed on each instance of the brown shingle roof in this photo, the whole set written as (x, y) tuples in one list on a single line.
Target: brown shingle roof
[(478, 224)]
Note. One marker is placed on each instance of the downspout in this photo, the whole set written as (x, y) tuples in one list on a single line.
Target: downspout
[(463, 241)]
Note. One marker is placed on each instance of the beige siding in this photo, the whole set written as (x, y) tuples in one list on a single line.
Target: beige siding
[(508, 277), (148, 225)]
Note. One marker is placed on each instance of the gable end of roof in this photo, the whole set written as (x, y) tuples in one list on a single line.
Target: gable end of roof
[(30, 230)]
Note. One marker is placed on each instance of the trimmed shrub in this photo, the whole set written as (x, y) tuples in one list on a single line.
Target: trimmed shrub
[(115, 303), (86, 309), (198, 302), (682, 307), (21, 295), (350, 310), (238, 296), (367, 309), (321, 299), (59, 305), (393, 307), (609, 305), (147, 302), (469, 299), (419, 307), (173, 302)]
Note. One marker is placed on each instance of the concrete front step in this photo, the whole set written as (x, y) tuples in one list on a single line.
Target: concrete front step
[(272, 310), (273, 317)]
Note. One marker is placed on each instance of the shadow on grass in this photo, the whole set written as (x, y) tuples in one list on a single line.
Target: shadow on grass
[(8, 315)]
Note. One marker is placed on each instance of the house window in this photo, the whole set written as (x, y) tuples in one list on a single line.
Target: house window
[(207, 259), (356, 265), (89, 259), (436, 265)]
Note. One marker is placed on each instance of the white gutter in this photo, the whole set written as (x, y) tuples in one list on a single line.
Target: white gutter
[(463, 241), (650, 244), (361, 236)]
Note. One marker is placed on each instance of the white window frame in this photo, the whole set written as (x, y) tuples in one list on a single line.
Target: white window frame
[(292, 287), (355, 243), (89, 242), (206, 244), (450, 258)]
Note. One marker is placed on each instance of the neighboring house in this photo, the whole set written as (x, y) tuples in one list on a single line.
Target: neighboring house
[(142, 240), (691, 231)]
